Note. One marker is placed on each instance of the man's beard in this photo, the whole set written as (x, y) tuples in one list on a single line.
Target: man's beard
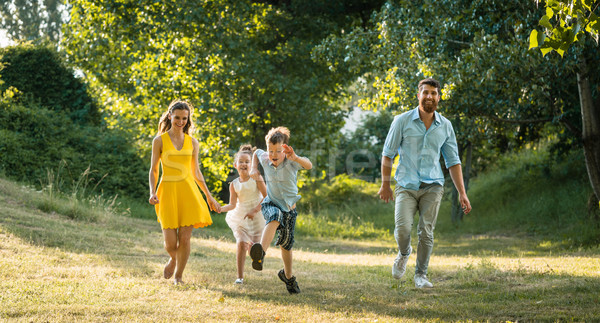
[(429, 107)]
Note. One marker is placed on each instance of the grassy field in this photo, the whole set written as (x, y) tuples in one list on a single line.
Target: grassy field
[(56, 267)]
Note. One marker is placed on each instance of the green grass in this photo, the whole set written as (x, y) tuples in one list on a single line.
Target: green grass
[(529, 194), (56, 268)]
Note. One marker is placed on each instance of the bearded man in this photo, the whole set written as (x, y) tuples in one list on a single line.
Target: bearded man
[(419, 136)]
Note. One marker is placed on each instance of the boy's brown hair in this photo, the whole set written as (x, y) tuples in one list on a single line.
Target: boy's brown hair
[(279, 135)]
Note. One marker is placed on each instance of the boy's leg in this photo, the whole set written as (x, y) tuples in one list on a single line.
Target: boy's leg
[(271, 214), (286, 255), (268, 234), (286, 242)]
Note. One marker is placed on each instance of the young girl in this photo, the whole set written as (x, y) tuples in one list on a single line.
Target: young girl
[(245, 217), (178, 203)]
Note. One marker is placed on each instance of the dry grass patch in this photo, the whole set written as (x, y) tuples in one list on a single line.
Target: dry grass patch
[(53, 268)]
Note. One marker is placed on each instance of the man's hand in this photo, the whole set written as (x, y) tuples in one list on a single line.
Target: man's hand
[(465, 203), (386, 193)]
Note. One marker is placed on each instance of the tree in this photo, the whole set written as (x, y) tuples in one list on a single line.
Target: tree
[(245, 65), (565, 23), (40, 73), (498, 96), (32, 20), (49, 120)]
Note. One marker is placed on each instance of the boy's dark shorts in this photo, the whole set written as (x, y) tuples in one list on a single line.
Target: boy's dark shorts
[(287, 223)]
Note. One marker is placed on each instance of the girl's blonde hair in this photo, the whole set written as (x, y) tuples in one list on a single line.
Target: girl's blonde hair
[(164, 124), (244, 149)]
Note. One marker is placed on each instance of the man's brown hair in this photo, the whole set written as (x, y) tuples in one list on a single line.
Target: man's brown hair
[(430, 82)]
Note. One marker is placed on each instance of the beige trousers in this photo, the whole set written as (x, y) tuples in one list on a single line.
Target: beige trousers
[(427, 201)]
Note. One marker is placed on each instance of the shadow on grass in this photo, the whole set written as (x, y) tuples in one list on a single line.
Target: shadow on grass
[(479, 292)]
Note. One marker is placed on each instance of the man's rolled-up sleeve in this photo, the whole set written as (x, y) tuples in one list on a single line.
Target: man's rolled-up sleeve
[(450, 149), (393, 139)]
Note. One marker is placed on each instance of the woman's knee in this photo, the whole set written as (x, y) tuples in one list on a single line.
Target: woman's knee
[(184, 242), (170, 246)]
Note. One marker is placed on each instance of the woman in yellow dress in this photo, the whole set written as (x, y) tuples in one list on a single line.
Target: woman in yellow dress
[(178, 202)]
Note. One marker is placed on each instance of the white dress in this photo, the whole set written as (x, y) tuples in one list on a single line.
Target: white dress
[(248, 197)]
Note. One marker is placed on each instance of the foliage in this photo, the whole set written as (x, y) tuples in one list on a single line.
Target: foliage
[(359, 152), (32, 20), (498, 95), (82, 203), (574, 20), (564, 23), (535, 194), (42, 77), (341, 190), (36, 139), (517, 195), (245, 65)]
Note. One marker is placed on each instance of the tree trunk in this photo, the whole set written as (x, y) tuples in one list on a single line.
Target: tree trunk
[(590, 115), (457, 212)]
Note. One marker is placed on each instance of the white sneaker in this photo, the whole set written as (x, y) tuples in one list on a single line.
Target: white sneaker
[(399, 266), (422, 282), (239, 281)]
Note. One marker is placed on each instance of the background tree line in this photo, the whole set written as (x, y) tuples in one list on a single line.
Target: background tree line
[(251, 65)]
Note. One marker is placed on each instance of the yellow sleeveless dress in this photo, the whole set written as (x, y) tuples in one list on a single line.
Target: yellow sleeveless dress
[(180, 202)]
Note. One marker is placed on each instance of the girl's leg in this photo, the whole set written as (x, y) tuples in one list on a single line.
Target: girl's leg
[(183, 251), (286, 255), (268, 234), (170, 236), (241, 258)]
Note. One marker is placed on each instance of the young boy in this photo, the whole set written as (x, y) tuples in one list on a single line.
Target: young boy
[(281, 166)]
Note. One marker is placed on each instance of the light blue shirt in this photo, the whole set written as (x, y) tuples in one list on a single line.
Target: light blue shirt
[(419, 149), (282, 187)]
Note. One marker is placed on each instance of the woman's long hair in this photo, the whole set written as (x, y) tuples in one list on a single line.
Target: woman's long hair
[(164, 124)]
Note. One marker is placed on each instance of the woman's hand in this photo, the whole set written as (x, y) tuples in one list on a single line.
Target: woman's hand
[(153, 199), (214, 205)]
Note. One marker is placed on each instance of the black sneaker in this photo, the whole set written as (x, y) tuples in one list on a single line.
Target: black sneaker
[(258, 255), (291, 284)]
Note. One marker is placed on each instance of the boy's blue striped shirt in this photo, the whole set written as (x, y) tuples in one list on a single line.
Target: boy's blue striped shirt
[(282, 187)]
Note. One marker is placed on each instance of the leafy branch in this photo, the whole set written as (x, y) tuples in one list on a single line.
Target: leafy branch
[(564, 23)]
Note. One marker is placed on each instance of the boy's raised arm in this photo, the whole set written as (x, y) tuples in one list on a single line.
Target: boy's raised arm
[(291, 155)]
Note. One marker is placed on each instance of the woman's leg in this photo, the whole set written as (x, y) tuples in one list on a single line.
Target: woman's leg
[(183, 251), (170, 236)]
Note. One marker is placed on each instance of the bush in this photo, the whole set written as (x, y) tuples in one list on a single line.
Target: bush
[(47, 117), (35, 139), (43, 78), (342, 190)]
